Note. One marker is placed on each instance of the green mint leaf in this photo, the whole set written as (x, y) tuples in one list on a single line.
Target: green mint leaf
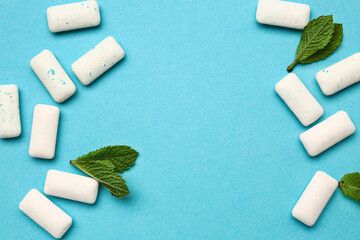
[(330, 48), (350, 185), (316, 35), (103, 171), (104, 165), (123, 157)]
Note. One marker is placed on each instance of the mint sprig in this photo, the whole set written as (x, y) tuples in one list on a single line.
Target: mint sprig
[(320, 38), (350, 185), (104, 165)]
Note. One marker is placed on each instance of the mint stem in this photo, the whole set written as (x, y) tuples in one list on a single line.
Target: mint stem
[(291, 67)]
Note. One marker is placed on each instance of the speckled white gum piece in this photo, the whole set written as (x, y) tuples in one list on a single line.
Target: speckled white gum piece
[(53, 76), (45, 213), (314, 199), (44, 131), (339, 75), (298, 98), (283, 14), (71, 186), (73, 16), (98, 60), (10, 125), (327, 133)]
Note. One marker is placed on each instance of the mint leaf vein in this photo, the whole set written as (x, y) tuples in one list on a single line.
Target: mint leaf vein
[(104, 165), (319, 34)]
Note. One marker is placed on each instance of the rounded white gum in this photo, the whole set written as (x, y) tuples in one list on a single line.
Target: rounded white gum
[(314, 199), (339, 75), (299, 99), (283, 13), (71, 186), (44, 131), (327, 133), (10, 124), (98, 60), (53, 76), (45, 213), (73, 16)]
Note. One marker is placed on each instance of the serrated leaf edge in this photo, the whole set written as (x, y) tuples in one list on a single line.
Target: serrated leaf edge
[(313, 37), (102, 148), (341, 37), (106, 185)]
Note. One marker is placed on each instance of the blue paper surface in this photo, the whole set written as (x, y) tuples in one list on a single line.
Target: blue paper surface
[(220, 155)]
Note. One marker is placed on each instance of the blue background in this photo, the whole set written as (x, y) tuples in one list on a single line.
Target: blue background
[(220, 155)]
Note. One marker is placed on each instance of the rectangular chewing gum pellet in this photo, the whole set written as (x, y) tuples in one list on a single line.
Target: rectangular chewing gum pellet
[(45, 213), (339, 75), (73, 16), (53, 76), (44, 131), (10, 125), (314, 199), (283, 14), (71, 186), (299, 99), (327, 133), (98, 60)]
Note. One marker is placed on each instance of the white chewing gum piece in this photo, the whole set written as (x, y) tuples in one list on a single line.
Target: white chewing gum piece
[(98, 60), (327, 133), (44, 131), (283, 13), (53, 76), (314, 199), (10, 124), (339, 75), (71, 186), (73, 16), (299, 99), (45, 213)]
